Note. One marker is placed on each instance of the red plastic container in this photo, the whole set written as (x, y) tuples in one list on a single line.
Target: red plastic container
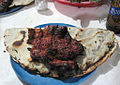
[(82, 4)]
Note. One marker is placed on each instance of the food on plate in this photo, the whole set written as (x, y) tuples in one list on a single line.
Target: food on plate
[(54, 47), (6, 5), (60, 52)]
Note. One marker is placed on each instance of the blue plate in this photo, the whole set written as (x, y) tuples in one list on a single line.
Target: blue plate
[(39, 80), (12, 10), (59, 24)]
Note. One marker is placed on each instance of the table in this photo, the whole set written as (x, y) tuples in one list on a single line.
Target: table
[(59, 13)]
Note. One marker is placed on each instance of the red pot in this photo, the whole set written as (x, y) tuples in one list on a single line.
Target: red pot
[(82, 4)]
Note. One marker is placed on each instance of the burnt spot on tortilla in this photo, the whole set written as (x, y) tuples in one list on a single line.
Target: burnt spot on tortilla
[(4, 51), (4, 36), (5, 44), (90, 45), (76, 35), (15, 57), (22, 32), (81, 30), (110, 45), (15, 50), (7, 48), (29, 49), (19, 42)]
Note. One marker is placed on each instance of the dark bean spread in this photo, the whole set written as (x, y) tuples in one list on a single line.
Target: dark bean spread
[(55, 47)]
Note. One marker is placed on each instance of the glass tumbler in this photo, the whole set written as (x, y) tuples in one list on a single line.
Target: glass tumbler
[(41, 4)]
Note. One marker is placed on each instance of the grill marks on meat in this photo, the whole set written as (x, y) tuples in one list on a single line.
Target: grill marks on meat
[(4, 5), (54, 47), (64, 64)]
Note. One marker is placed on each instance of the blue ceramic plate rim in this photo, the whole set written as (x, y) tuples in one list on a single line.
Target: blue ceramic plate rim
[(12, 10), (39, 80)]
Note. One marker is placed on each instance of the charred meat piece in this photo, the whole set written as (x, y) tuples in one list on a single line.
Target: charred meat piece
[(54, 47), (42, 47), (4, 5), (64, 48), (61, 32), (38, 33), (31, 33), (63, 65), (64, 69), (34, 35), (67, 50)]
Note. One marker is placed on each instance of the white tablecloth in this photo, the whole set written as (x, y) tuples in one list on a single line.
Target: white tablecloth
[(59, 13)]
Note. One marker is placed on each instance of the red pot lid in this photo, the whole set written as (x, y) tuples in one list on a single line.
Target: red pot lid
[(82, 4)]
